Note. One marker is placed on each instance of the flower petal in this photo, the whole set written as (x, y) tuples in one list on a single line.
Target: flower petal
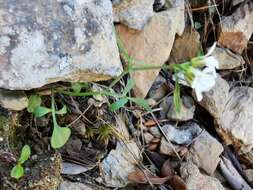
[(211, 49), (199, 95), (211, 62), (210, 71)]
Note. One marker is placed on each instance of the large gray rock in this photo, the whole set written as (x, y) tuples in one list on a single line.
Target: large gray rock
[(196, 180), (120, 163), (181, 135), (187, 110), (227, 59), (214, 100), (44, 41), (233, 113), (236, 29), (13, 100), (236, 122), (133, 13), (205, 152), (153, 44), (66, 185)]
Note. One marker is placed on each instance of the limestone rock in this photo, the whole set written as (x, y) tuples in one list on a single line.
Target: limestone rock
[(133, 13), (13, 100), (227, 59), (45, 41), (152, 49), (237, 29), (190, 40), (155, 131), (148, 137), (158, 89), (166, 148), (196, 181), (183, 134), (120, 163), (168, 109), (235, 124), (233, 113), (214, 101), (205, 145), (187, 110), (66, 185)]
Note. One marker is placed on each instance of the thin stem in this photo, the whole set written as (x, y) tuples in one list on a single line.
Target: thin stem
[(53, 109), (106, 93)]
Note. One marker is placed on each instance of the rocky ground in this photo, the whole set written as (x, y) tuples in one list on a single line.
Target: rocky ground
[(105, 94)]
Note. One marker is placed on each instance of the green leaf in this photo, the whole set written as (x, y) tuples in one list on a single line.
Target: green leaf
[(176, 98), (25, 154), (41, 111), (129, 86), (77, 86), (62, 111), (118, 104), (141, 102), (34, 101), (17, 171), (60, 136)]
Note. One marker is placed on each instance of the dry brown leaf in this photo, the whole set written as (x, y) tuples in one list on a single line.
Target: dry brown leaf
[(177, 183), (166, 169), (144, 178)]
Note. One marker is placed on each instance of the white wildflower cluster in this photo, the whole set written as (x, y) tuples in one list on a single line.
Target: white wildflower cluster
[(199, 73)]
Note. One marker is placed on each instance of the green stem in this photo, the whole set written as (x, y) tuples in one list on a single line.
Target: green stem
[(151, 67), (106, 93)]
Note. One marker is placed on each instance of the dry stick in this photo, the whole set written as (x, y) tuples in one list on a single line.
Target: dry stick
[(81, 115), (140, 165), (160, 128)]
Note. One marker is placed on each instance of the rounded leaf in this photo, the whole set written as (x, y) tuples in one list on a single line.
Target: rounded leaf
[(25, 154), (33, 102), (60, 136), (17, 171)]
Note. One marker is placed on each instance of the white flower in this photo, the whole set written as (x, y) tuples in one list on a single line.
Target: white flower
[(207, 60), (211, 49), (203, 81), (211, 64), (200, 75)]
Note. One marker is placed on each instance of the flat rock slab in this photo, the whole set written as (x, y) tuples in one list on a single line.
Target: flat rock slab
[(205, 152), (152, 49), (120, 163), (236, 122), (233, 113), (13, 100), (133, 13), (237, 29), (44, 41), (227, 59), (195, 180)]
